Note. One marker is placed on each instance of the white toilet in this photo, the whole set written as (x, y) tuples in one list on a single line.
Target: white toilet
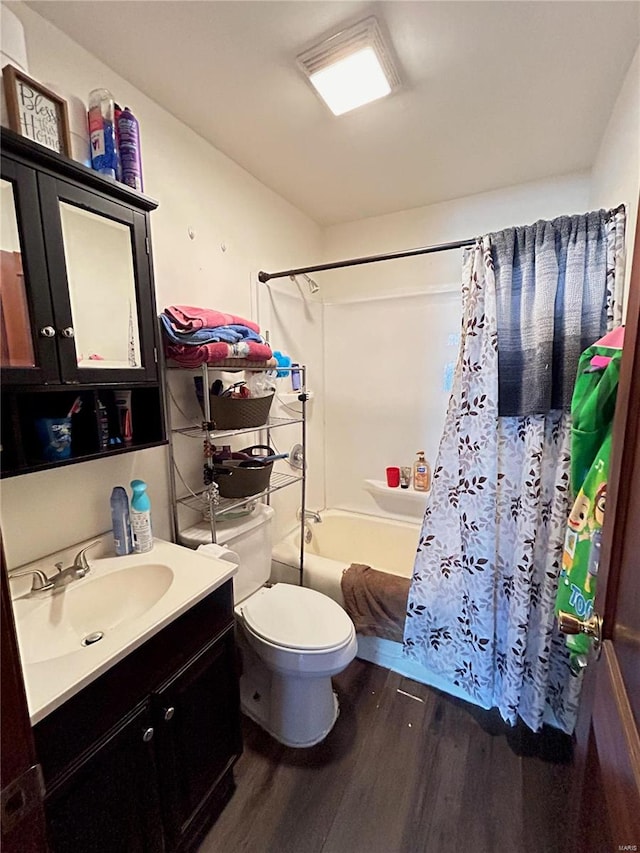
[(292, 640)]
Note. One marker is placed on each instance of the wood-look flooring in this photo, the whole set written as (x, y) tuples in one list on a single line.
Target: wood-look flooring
[(399, 774)]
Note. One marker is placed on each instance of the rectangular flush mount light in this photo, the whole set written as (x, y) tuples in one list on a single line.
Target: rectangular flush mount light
[(351, 68)]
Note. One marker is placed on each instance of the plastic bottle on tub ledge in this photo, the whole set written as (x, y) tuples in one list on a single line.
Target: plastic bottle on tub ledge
[(421, 473)]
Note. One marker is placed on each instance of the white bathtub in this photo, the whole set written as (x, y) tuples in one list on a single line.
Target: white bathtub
[(343, 538)]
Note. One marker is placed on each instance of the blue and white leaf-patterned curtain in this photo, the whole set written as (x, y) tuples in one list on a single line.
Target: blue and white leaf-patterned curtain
[(480, 608)]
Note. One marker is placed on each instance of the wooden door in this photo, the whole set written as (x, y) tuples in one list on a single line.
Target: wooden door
[(23, 825), (607, 782)]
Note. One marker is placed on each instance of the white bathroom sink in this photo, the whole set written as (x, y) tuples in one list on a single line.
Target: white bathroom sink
[(69, 638), (82, 613)]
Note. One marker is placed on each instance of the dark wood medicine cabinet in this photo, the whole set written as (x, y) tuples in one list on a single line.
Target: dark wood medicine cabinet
[(77, 313)]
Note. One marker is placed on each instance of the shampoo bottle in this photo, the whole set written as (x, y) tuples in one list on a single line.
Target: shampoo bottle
[(120, 522), (421, 473), (141, 517)]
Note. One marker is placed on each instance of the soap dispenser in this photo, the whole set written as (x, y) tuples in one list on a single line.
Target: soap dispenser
[(421, 473)]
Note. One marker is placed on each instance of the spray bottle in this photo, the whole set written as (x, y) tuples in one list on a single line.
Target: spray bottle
[(120, 521), (141, 517), (129, 149)]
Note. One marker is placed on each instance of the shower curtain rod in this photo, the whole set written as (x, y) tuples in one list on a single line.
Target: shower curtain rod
[(370, 259), (373, 259)]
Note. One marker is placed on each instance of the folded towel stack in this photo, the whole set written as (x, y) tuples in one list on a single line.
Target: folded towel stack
[(195, 336)]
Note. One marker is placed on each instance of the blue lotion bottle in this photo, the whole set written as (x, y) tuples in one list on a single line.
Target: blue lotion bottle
[(141, 517), (120, 522)]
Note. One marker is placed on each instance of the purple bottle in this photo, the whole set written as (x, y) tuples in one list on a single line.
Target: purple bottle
[(129, 147)]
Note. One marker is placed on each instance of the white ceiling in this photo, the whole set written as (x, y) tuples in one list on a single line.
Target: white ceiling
[(494, 93)]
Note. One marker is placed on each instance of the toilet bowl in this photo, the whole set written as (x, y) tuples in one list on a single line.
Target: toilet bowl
[(292, 640), (298, 639)]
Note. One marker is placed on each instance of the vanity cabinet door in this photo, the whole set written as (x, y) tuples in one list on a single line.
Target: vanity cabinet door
[(109, 803), (28, 347), (198, 726), (100, 278)]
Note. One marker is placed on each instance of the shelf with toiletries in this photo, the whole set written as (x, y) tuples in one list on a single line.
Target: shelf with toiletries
[(77, 303), (44, 429), (226, 485)]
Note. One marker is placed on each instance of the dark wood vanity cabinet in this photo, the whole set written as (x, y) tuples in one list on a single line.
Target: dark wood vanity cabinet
[(110, 802), (142, 758), (77, 309)]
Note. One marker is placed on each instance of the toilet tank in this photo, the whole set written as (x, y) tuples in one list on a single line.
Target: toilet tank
[(250, 538)]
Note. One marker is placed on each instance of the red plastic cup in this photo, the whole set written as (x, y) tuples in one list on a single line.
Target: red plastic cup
[(393, 477)]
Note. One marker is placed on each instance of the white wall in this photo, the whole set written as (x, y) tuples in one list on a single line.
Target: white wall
[(386, 357), (240, 226), (616, 171)]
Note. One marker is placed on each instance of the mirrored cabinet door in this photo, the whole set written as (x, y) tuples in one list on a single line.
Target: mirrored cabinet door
[(99, 271), (101, 277), (27, 330)]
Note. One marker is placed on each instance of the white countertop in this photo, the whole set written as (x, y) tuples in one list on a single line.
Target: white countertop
[(50, 627)]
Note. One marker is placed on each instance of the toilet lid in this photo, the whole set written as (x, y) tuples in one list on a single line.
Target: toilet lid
[(297, 618)]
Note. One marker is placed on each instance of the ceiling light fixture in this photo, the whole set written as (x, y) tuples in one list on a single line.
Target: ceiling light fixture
[(351, 68)]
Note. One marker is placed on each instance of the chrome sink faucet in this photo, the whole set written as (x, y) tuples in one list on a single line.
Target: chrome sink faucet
[(41, 583), (77, 570)]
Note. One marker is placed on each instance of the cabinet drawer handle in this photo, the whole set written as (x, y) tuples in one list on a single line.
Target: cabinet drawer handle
[(168, 713), (47, 332), (68, 332), (147, 734)]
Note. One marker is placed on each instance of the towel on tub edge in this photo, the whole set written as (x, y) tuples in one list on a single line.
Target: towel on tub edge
[(376, 601)]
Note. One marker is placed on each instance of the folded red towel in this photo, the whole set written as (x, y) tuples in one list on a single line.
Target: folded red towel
[(190, 319), (194, 356)]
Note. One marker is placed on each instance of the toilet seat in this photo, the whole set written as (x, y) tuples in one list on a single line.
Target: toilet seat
[(297, 618)]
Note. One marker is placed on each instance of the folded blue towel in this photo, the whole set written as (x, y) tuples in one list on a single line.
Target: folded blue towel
[(231, 334), (246, 333)]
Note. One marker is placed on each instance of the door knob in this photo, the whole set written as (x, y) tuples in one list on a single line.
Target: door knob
[(68, 332), (47, 332), (147, 734), (592, 627), (168, 713), (570, 624)]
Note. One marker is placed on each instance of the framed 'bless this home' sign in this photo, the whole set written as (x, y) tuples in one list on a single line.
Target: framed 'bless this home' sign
[(35, 111)]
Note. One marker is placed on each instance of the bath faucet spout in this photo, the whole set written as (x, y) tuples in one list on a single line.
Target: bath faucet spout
[(314, 515)]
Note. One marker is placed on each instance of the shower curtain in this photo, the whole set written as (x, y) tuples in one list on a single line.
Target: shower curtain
[(480, 608)]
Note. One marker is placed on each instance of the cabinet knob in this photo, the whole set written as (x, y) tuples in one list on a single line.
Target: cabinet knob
[(47, 332), (147, 734), (168, 713), (68, 332)]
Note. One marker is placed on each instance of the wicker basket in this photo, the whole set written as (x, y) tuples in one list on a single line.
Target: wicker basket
[(239, 412), (236, 479)]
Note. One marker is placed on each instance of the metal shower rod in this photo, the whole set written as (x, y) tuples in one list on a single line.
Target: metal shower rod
[(370, 259), (391, 256)]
